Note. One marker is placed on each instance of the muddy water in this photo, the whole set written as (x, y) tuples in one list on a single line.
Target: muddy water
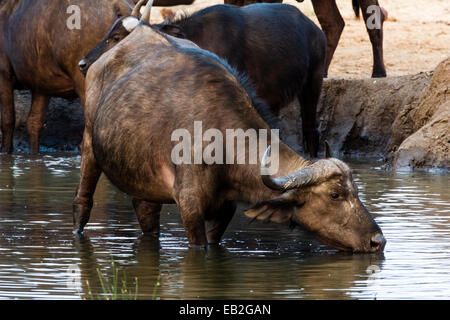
[(41, 259)]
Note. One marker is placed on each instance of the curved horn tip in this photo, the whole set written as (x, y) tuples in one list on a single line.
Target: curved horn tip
[(265, 159), (147, 12), (137, 8), (266, 178)]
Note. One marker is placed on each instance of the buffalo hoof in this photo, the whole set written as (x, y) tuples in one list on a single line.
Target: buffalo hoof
[(197, 246), (33, 150), (151, 234), (213, 246), (381, 74), (78, 232)]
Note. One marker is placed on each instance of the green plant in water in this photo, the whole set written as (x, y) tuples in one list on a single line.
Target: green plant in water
[(155, 288), (110, 288)]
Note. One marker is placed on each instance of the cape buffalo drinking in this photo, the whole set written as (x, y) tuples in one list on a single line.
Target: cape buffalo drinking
[(151, 84), (40, 47), (279, 48)]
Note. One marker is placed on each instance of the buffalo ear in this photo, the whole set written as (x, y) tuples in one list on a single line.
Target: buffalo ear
[(277, 210), (172, 30), (121, 9)]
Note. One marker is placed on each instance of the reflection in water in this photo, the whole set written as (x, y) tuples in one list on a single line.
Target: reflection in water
[(39, 256)]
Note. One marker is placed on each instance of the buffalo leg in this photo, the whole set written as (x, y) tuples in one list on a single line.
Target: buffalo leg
[(309, 98), (376, 37), (332, 25), (218, 223), (89, 175), (148, 215), (192, 215), (8, 114), (35, 120)]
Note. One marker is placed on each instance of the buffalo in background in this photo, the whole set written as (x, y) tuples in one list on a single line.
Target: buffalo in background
[(40, 53), (332, 25)]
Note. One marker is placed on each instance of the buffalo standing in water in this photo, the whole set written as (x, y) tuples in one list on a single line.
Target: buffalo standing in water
[(151, 84)]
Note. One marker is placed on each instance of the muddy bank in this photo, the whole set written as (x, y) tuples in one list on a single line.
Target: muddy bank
[(403, 120), (421, 132), (63, 127)]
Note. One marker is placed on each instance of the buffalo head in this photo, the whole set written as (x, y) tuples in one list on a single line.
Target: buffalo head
[(121, 28), (323, 198)]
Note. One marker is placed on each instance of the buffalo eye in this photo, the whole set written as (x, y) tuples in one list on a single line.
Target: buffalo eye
[(116, 38), (335, 196)]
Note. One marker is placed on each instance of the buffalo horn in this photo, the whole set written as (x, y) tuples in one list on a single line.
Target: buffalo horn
[(137, 8), (300, 178), (147, 11)]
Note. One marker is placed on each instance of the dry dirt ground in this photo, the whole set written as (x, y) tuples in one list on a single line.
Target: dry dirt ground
[(416, 36)]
